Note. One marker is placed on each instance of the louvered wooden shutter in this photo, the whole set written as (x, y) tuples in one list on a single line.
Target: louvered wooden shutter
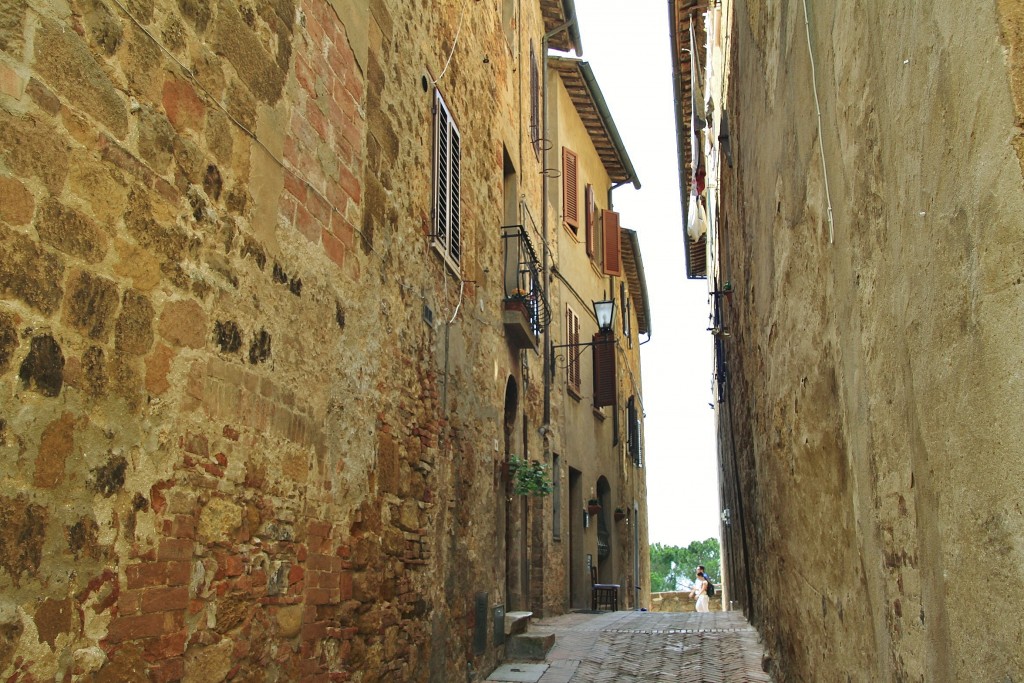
[(591, 209), (572, 333), (612, 246), (570, 200), (604, 369), (633, 431)]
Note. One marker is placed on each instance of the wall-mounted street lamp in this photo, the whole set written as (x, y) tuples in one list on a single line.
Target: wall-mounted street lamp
[(604, 311), (605, 377)]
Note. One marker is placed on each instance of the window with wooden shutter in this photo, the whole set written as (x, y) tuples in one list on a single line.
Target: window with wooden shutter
[(626, 313), (570, 192), (633, 432), (447, 201), (612, 246), (591, 215), (572, 338), (604, 369)]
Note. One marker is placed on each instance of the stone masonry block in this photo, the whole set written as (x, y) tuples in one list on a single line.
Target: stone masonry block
[(71, 232), (184, 323), (33, 148), (183, 106), (66, 64), (90, 305), (28, 272), (58, 442), (133, 331), (18, 204)]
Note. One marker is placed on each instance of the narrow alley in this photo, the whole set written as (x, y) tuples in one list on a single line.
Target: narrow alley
[(627, 647)]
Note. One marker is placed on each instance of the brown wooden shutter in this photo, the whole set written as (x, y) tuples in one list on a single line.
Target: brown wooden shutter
[(591, 209), (570, 199), (612, 245), (572, 333), (604, 369)]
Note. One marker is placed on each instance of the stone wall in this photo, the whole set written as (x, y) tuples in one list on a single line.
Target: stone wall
[(234, 445), (678, 601), (869, 448)]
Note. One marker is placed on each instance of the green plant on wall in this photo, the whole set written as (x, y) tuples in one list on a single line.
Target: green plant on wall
[(529, 478)]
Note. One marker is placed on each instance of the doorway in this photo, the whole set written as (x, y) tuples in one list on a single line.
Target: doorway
[(579, 585)]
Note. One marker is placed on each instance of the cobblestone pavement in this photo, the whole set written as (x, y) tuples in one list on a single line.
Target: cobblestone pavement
[(653, 647)]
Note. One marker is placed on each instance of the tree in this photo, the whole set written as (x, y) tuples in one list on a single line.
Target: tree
[(671, 564)]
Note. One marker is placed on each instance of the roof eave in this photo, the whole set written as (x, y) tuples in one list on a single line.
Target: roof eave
[(609, 123), (625, 173), (637, 266)]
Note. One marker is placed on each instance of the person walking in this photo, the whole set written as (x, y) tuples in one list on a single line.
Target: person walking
[(700, 591)]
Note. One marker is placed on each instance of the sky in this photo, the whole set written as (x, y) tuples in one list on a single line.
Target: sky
[(627, 45)]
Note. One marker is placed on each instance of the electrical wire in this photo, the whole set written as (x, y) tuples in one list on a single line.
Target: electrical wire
[(821, 144), (455, 42)]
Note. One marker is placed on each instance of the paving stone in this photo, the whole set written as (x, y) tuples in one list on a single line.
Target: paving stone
[(635, 647)]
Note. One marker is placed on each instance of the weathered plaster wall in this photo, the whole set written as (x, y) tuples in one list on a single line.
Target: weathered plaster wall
[(874, 380), (592, 441), (232, 447)]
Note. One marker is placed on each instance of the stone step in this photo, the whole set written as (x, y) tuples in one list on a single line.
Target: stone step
[(530, 646), (516, 622)]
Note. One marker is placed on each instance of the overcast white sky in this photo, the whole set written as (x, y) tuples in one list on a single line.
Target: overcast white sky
[(627, 45)]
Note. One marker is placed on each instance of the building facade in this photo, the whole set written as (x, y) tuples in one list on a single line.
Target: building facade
[(276, 311), (863, 194)]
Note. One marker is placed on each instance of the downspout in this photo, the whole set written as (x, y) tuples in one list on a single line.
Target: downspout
[(545, 261)]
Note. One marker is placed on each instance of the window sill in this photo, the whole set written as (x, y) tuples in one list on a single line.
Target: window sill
[(573, 391), (599, 414)]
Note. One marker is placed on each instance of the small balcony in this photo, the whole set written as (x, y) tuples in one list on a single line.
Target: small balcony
[(524, 309)]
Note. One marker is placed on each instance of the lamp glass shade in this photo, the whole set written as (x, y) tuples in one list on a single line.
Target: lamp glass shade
[(605, 312)]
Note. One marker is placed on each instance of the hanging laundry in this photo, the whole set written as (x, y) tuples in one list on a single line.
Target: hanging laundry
[(697, 219)]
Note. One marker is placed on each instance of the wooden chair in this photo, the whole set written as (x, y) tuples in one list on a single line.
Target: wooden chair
[(603, 593)]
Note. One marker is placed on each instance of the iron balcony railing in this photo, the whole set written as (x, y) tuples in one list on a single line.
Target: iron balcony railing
[(522, 276)]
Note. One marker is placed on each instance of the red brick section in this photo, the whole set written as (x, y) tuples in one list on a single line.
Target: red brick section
[(327, 115)]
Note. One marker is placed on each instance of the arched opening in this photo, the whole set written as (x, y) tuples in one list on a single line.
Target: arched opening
[(511, 509)]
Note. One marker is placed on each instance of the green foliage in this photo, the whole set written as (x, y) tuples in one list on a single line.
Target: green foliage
[(670, 564), (529, 478)]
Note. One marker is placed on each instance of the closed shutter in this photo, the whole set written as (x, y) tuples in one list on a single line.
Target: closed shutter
[(591, 209), (572, 334), (612, 245), (633, 431), (447, 181), (570, 200), (604, 369)]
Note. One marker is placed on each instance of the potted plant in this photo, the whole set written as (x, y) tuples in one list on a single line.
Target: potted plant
[(593, 506), (518, 300), (529, 478), (619, 514)]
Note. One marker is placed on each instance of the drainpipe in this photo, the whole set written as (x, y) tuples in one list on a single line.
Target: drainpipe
[(545, 262)]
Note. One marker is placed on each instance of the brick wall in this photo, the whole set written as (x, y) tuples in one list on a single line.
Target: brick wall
[(228, 453)]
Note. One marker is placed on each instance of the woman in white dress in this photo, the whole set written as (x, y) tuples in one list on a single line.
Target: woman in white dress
[(700, 592)]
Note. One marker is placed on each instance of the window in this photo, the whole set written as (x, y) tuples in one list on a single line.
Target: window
[(626, 314), (572, 337), (612, 248), (534, 102), (604, 371), (591, 213), (556, 496), (633, 432), (570, 194), (447, 204)]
